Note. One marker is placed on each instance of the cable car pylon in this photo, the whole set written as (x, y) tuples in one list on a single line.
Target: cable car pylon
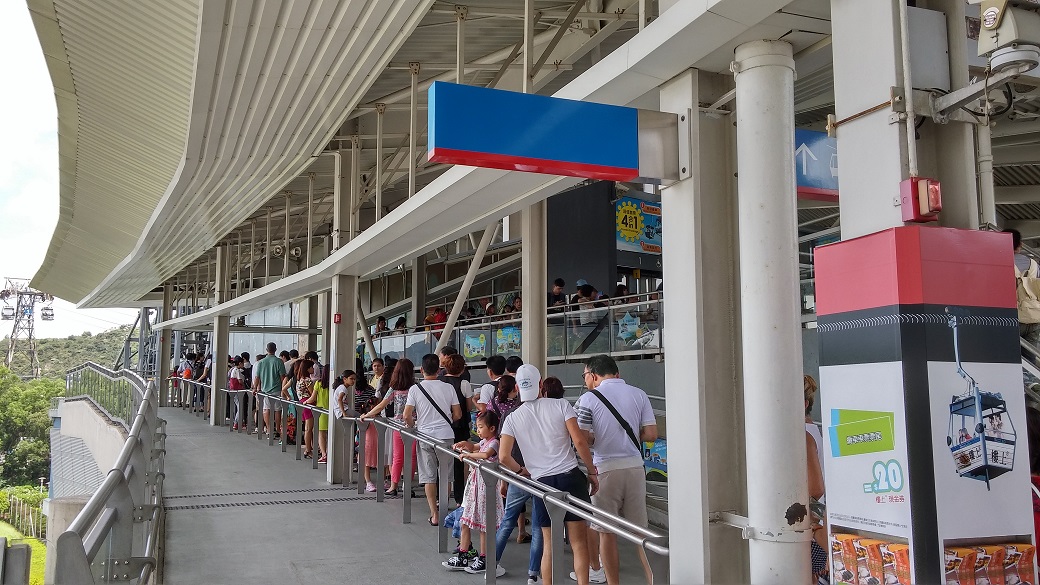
[(24, 299)]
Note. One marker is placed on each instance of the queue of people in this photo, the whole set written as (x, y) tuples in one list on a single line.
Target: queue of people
[(516, 418)]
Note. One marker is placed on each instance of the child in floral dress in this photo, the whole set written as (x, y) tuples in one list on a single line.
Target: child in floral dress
[(474, 502)]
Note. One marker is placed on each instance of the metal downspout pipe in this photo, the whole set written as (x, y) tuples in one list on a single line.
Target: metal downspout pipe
[(777, 486)]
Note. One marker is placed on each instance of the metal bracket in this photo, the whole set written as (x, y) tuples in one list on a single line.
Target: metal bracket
[(413, 67), (898, 103), (124, 569), (461, 12), (685, 148), (143, 513), (748, 532), (943, 105)]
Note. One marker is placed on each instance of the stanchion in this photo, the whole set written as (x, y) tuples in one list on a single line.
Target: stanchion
[(491, 519), (362, 427), (556, 516), (380, 459), (406, 481), (445, 471)]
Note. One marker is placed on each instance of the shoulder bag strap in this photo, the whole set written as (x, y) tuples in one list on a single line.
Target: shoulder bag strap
[(620, 419), (435, 405)]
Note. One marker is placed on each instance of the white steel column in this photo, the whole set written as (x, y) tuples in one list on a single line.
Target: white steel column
[(532, 285), (987, 193), (355, 186), (310, 216), (162, 358), (338, 224), (238, 266), (218, 373), (413, 126), (467, 284), (252, 248), (341, 356), (219, 279), (380, 111), (771, 327), (267, 251), (529, 16), (419, 290), (285, 254), (461, 12)]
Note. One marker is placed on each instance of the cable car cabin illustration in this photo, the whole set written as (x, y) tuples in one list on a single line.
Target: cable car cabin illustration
[(981, 436), (47, 314)]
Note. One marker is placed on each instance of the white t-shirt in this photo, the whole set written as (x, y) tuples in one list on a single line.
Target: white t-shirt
[(337, 412), (613, 448), (487, 392), (427, 420), (540, 429)]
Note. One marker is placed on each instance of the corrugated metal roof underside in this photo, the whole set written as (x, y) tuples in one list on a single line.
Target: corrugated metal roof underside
[(122, 78), (273, 82)]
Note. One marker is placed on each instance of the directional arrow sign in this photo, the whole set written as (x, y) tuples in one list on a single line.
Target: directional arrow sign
[(499, 129), (816, 165)]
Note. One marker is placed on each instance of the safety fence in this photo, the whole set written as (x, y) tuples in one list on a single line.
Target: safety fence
[(629, 325), (116, 535), (353, 426), (26, 517)]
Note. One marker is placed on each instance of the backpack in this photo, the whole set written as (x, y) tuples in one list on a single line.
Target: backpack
[(234, 382), (1028, 290)]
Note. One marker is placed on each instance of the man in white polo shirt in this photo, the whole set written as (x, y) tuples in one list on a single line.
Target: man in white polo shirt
[(616, 419), (431, 407)]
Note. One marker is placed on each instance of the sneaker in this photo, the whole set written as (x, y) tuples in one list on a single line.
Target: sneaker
[(460, 560), (533, 580), (594, 576), (234, 427), (370, 487), (479, 565)]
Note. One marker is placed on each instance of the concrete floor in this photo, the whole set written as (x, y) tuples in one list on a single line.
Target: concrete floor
[(240, 512)]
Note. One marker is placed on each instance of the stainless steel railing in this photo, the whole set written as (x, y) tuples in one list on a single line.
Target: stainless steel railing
[(115, 537), (558, 503)]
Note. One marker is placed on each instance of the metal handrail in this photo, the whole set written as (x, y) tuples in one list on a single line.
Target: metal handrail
[(131, 494), (559, 503)]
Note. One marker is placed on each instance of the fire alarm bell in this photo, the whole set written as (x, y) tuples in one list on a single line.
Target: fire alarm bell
[(337, 318), (921, 199)]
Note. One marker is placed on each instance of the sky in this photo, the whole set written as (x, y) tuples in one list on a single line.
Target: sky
[(29, 174)]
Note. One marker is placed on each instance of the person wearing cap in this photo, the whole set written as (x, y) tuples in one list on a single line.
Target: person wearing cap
[(618, 453), (544, 429)]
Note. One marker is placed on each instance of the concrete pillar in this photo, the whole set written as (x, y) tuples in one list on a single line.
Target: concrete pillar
[(873, 151), (418, 290), (533, 283), (60, 513), (703, 387), (770, 323), (218, 373), (343, 300), (164, 350), (142, 339)]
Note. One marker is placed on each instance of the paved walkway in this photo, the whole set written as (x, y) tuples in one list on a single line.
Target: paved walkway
[(241, 512)]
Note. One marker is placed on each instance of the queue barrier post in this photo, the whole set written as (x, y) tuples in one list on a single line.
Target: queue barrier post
[(445, 471), (409, 469), (380, 459), (556, 516), (362, 428), (491, 498)]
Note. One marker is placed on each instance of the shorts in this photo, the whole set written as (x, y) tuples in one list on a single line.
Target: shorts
[(427, 460), (622, 492), (270, 403), (573, 482)]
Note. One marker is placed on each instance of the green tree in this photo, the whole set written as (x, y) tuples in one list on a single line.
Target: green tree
[(25, 427)]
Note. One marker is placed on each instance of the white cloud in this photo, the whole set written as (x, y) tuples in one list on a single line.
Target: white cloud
[(29, 172)]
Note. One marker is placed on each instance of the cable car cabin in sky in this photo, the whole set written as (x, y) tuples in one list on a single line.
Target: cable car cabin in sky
[(47, 314), (7, 313), (981, 435)]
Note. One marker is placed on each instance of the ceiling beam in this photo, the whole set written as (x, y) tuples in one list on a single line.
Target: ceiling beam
[(1018, 195), (1016, 155)]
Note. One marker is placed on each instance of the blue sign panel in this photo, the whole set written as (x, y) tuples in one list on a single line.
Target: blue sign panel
[(816, 165), (499, 129)]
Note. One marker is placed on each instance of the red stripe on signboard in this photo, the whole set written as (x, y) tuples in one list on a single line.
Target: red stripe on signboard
[(531, 165)]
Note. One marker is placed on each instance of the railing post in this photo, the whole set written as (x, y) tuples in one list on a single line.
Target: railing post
[(380, 458), (406, 481), (556, 516), (315, 441), (491, 499), (445, 471), (362, 428)]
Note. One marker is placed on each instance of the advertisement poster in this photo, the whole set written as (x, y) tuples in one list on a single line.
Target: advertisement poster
[(474, 345), (980, 451), (864, 436), (638, 226), (507, 341)]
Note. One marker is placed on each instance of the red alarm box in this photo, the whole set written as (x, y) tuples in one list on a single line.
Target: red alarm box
[(921, 199), (337, 318)]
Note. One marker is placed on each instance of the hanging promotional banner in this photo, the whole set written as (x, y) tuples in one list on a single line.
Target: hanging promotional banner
[(638, 225)]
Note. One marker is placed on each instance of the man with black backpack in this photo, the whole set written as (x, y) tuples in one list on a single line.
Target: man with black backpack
[(616, 419)]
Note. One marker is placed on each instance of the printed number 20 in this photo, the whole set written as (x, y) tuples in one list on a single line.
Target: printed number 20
[(888, 477)]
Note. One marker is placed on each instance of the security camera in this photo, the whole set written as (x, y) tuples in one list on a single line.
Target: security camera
[(1010, 34)]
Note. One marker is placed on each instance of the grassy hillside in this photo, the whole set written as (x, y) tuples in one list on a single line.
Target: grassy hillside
[(58, 355)]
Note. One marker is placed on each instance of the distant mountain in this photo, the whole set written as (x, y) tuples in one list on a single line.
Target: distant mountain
[(59, 355)]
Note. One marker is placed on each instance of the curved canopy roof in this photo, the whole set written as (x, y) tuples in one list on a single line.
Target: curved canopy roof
[(177, 118)]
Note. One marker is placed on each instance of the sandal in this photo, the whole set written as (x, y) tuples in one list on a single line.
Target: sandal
[(431, 521), (322, 459), (523, 538)]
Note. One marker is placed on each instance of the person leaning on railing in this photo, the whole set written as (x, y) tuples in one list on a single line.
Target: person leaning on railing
[(402, 378), (545, 429)]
